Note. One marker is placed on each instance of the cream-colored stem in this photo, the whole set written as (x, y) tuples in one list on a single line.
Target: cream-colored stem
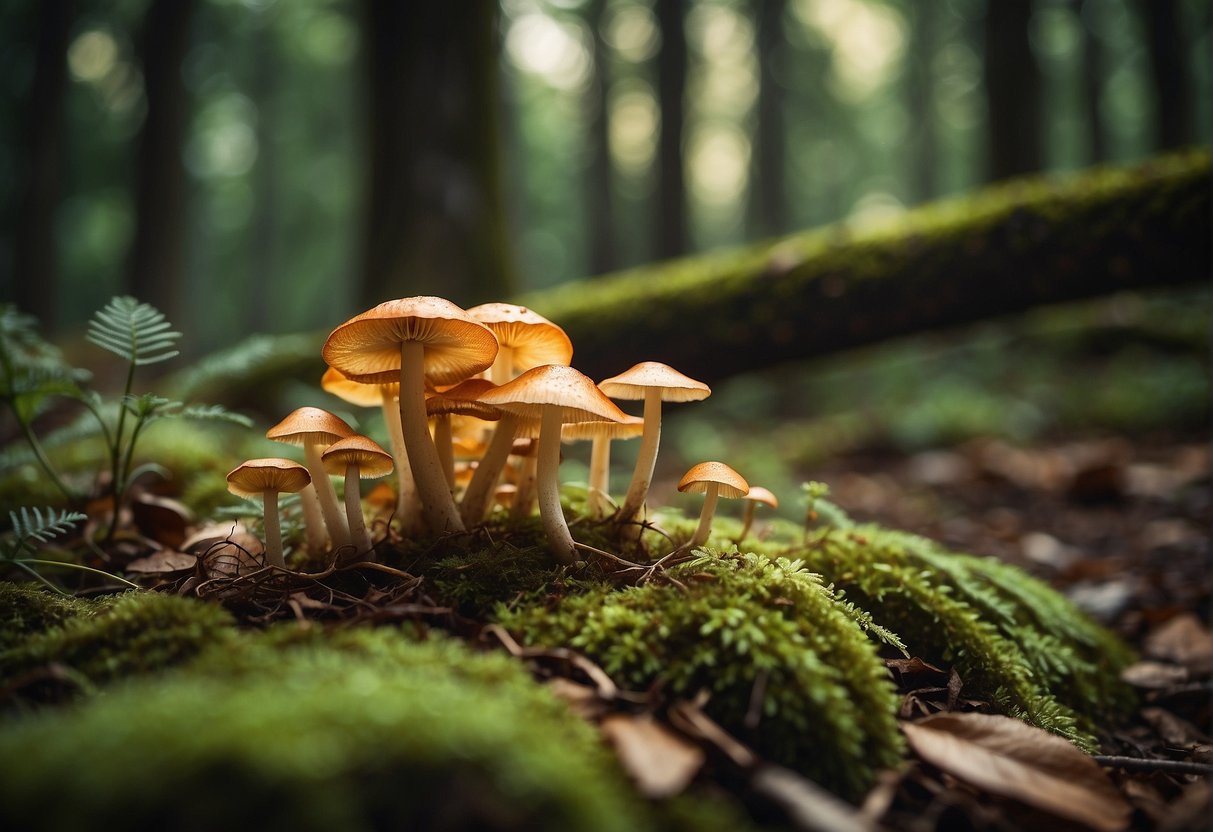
[(642, 476), (524, 497), (560, 540), (502, 369), (408, 506), (313, 520), (436, 499), (600, 476), (353, 509), (445, 447), (475, 503), (273, 532), (334, 519), (705, 516), (747, 519)]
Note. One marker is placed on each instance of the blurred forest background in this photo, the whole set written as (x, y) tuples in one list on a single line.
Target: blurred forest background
[(274, 166)]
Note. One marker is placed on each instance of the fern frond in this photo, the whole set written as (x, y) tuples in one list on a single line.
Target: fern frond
[(135, 331), (41, 524), (214, 413)]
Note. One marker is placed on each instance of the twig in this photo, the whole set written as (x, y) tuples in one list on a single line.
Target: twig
[(1141, 764)]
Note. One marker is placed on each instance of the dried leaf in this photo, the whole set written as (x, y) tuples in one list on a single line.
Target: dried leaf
[(809, 806), (660, 762), (582, 700), (211, 533), (161, 519), (166, 560), (1012, 759), (1183, 640), (1154, 675)]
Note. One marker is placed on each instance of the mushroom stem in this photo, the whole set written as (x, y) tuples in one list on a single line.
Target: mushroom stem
[(705, 516), (313, 521), (502, 369), (408, 508), (524, 497), (445, 448), (339, 533), (747, 519), (647, 458), (560, 540), (273, 532), (600, 476), (436, 499), (353, 509), (475, 502)]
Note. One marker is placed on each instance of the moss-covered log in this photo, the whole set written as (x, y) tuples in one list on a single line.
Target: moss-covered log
[(1008, 248)]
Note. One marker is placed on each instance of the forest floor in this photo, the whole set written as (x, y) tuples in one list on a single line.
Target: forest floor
[(1121, 526)]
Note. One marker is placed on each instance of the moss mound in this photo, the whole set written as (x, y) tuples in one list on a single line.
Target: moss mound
[(26, 609), (761, 636), (351, 730)]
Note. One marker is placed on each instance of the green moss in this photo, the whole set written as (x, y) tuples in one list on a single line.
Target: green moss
[(26, 609), (351, 730), (136, 633), (738, 624)]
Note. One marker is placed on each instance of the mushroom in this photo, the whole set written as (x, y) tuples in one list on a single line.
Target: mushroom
[(757, 494), (315, 429), (527, 339), (421, 338), (553, 395), (383, 395), (601, 434), (460, 400), (265, 478), (654, 382), (357, 457), (713, 480)]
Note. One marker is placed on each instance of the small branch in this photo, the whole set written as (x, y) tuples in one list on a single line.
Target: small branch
[(1140, 764)]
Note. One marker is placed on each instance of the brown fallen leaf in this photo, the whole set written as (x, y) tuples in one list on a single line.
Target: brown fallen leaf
[(1012, 759), (1154, 675), (660, 762), (161, 519), (1182, 640), (166, 560)]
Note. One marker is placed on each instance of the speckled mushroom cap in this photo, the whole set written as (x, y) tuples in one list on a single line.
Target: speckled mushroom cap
[(577, 396), (361, 393), (534, 339), (758, 494), (254, 476), (368, 345), (309, 425), (696, 480), (372, 460), (630, 428), (675, 387)]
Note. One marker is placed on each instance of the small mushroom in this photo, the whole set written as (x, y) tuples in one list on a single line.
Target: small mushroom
[(757, 494), (601, 434), (654, 382), (357, 457), (460, 400), (265, 478), (315, 429), (713, 480)]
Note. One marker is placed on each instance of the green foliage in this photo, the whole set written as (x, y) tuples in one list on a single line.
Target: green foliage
[(740, 626), (35, 524), (137, 332), (307, 730), (137, 633)]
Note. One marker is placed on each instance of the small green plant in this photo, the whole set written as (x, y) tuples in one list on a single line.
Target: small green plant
[(33, 526)]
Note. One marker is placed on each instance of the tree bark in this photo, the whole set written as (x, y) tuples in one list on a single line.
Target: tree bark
[(673, 236), (1172, 122), (35, 260), (1028, 242), (600, 206), (1092, 82), (1012, 88), (924, 141), (768, 195), (435, 222), (157, 256)]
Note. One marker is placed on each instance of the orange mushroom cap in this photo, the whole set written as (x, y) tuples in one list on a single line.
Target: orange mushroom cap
[(372, 460), (696, 481), (647, 375), (310, 425), (534, 339), (254, 476)]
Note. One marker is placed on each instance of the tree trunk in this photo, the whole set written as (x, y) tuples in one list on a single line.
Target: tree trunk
[(435, 221), (924, 141), (157, 258), (1172, 123), (259, 314), (1092, 82), (1012, 88), (1008, 248), (768, 194), (600, 207), (672, 229), (35, 261)]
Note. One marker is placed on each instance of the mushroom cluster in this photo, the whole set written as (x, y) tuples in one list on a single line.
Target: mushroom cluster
[(476, 403)]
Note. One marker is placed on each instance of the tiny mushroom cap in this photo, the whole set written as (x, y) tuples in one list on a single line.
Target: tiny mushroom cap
[(265, 478), (554, 394), (713, 480), (424, 339), (527, 339), (357, 457), (315, 428), (757, 494), (654, 382)]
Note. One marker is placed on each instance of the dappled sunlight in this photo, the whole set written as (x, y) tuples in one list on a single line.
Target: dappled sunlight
[(552, 49), (867, 40)]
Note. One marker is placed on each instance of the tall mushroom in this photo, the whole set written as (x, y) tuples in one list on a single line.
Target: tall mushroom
[(357, 457), (713, 480), (315, 429), (553, 395), (527, 339), (265, 478), (654, 382), (601, 434), (421, 338)]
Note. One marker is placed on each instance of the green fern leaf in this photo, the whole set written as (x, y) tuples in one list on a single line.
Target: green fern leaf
[(42, 525), (136, 331), (214, 413)]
